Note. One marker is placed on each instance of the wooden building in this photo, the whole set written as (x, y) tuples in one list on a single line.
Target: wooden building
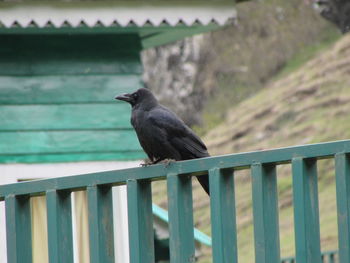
[(61, 64)]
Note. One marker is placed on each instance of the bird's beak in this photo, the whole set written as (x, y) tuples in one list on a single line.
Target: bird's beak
[(125, 97)]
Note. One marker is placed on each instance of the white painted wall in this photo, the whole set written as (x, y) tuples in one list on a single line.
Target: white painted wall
[(12, 173)]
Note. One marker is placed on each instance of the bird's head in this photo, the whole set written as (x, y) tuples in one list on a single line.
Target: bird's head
[(142, 97)]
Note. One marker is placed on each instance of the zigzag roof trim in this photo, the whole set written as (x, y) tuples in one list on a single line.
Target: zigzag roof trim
[(42, 16)]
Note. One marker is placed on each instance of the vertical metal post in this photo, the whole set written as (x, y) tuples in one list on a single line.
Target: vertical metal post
[(306, 212), (100, 213), (18, 228), (180, 219), (223, 216), (342, 168), (59, 224), (265, 211), (141, 234)]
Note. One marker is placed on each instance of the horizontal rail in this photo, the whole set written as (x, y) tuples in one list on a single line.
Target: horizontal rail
[(195, 167), (199, 236), (326, 255)]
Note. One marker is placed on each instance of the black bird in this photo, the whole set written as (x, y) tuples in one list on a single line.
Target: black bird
[(162, 134)]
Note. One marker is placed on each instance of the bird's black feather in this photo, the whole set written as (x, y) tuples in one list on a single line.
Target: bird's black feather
[(162, 134)]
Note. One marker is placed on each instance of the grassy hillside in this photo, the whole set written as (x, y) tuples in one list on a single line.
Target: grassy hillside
[(309, 105), (240, 60), (306, 106)]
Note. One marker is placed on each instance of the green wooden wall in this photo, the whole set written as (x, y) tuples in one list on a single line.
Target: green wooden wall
[(57, 97)]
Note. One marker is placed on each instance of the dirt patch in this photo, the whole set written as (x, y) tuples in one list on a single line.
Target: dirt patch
[(240, 134), (332, 102), (263, 113), (303, 93)]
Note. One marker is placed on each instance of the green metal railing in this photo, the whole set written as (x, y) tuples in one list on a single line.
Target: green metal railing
[(178, 175), (198, 235), (327, 257)]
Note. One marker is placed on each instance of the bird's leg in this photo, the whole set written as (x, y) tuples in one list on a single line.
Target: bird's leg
[(167, 162), (147, 163), (156, 161)]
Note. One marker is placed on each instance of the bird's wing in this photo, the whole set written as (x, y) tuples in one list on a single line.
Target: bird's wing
[(178, 132)]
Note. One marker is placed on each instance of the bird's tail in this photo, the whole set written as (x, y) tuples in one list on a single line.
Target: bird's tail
[(204, 181)]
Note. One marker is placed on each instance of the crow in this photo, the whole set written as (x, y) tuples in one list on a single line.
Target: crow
[(161, 133)]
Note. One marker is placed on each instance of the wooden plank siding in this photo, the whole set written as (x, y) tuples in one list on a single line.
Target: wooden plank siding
[(69, 54), (57, 97), (39, 142), (39, 117), (60, 89)]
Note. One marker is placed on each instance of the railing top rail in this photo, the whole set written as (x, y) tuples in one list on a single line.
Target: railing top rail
[(197, 167)]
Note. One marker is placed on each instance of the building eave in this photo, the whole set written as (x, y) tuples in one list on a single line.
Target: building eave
[(109, 14), (156, 22)]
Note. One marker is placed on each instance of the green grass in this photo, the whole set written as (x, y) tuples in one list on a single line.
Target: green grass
[(231, 92), (308, 52), (229, 95)]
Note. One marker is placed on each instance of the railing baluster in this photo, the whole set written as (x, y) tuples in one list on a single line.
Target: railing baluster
[(180, 219), (18, 226), (306, 212), (59, 226), (141, 234), (342, 167), (100, 211), (265, 211), (223, 216)]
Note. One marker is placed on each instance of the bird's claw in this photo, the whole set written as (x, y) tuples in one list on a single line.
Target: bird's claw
[(167, 162), (146, 163)]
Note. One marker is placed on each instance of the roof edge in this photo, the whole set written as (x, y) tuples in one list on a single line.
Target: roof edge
[(114, 14)]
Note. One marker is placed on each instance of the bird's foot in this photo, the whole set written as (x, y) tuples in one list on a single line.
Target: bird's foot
[(167, 162), (147, 163)]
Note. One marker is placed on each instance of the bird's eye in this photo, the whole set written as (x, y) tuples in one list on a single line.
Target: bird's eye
[(135, 96)]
